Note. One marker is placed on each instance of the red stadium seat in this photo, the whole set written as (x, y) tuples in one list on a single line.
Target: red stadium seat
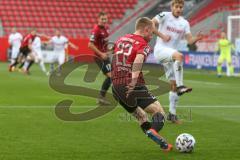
[(77, 17)]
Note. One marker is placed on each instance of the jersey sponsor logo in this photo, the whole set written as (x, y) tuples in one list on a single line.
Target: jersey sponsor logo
[(172, 29)]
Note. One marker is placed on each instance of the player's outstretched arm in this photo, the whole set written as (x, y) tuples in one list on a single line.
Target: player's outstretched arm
[(73, 45), (191, 40), (43, 35), (165, 38)]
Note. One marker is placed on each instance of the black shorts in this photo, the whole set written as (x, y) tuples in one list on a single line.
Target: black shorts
[(104, 65), (140, 97), (25, 51)]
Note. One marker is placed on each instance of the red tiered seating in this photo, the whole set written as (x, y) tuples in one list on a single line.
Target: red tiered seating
[(76, 18), (213, 7)]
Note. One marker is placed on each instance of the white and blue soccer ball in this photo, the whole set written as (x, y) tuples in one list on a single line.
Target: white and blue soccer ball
[(185, 143)]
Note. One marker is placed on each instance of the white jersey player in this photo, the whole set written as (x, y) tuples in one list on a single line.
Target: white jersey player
[(172, 27), (37, 51), (15, 40), (59, 43)]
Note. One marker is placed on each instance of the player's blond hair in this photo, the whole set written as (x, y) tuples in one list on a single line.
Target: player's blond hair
[(177, 2), (102, 13), (143, 22)]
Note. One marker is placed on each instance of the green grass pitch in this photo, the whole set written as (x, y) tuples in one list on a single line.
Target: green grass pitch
[(30, 130)]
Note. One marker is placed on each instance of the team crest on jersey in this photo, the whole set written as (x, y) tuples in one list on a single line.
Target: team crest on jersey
[(161, 15)]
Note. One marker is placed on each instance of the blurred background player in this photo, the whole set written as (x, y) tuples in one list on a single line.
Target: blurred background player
[(174, 27), (37, 52), (225, 47), (129, 87), (14, 40), (98, 44), (59, 43), (26, 58)]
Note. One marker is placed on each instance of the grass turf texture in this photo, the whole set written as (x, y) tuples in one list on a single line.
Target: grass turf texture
[(29, 129)]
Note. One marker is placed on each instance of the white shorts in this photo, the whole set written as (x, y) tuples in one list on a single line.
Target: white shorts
[(164, 54), (15, 52), (38, 55), (169, 71), (61, 58)]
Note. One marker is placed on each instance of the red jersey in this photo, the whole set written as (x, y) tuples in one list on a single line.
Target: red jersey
[(27, 39), (99, 37), (126, 50)]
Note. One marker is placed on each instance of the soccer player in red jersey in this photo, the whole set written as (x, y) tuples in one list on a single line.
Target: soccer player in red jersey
[(98, 44), (129, 88), (26, 49)]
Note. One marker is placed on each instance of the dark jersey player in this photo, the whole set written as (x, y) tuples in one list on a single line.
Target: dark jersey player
[(98, 44), (128, 83), (25, 48)]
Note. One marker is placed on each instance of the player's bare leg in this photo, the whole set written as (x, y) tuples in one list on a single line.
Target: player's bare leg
[(151, 129), (12, 65), (178, 70), (28, 63)]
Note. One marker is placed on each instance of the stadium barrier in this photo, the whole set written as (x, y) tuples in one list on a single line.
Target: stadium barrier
[(81, 43), (202, 60), (195, 60), (3, 49)]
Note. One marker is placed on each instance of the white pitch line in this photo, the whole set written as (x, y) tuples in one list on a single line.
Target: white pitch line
[(89, 107), (222, 106), (203, 82)]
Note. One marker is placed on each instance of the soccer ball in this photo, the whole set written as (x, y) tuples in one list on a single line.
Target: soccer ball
[(185, 143)]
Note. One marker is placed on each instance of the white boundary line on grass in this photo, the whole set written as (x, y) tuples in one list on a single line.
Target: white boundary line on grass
[(91, 107), (203, 82)]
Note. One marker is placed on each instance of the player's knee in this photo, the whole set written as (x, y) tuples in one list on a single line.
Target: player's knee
[(181, 56), (178, 56), (108, 74), (140, 115), (157, 108)]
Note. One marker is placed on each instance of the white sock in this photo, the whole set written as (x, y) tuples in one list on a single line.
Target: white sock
[(12, 61), (41, 63), (173, 99), (178, 70), (26, 63)]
